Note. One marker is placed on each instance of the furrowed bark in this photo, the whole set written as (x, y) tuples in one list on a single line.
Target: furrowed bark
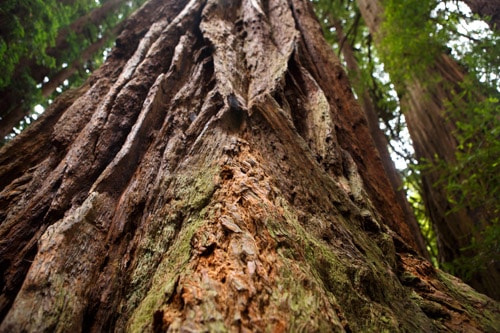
[(380, 140), (220, 178)]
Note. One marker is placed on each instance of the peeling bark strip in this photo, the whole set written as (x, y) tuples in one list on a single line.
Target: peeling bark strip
[(214, 175)]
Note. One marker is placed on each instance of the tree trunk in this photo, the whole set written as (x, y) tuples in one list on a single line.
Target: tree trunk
[(215, 174), (380, 140), (487, 9), (432, 134)]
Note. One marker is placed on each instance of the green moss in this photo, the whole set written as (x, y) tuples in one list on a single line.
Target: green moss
[(195, 189), (303, 297), (318, 277), (164, 280), (163, 244), (299, 301), (477, 305)]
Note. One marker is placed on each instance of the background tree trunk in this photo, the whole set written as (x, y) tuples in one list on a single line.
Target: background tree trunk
[(215, 174), (432, 133), (488, 9)]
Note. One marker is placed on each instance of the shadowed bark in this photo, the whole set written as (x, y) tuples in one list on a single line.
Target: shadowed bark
[(488, 10), (215, 174), (380, 140), (433, 135)]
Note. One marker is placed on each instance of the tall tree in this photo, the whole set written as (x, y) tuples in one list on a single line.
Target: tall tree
[(372, 113), (488, 9), (426, 92), (214, 174)]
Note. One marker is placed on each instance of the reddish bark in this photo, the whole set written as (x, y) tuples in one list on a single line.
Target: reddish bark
[(215, 174), (380, 140)]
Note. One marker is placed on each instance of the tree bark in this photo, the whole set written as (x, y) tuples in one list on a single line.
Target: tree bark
[(432, 133), (380, 140), (215, 174), (487, 9)]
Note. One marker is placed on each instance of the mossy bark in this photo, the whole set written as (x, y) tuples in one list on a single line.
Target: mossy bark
[(216, 174)]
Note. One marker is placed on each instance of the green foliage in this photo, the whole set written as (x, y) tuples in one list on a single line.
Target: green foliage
[(29, 27), (345, 12), (413, 34), (472, 182), (29, 32), (412, 185), (487, 250), (475, 175), (409, 40), (472, 43)]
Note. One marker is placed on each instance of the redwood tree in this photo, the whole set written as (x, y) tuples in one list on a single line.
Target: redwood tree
[(216, 174), (488, 9), (426, 95)]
